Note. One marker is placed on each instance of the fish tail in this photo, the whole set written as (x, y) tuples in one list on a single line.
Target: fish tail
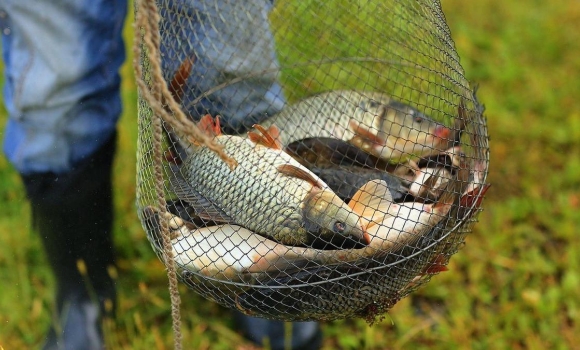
[(474, 197), (180, 77)]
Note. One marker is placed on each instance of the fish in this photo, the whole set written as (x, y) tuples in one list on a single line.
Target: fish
[(409, 137), (345, 181), (373, 121), (326, 152), (226, 252), (390, 225), (268, 192), (232, 253), (366, 287)]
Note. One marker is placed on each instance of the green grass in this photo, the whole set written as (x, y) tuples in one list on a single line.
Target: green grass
[(513, 286)]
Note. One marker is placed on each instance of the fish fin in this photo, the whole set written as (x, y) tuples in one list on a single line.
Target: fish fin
[(203, 207), (286, 261), (176, 90), (274, 131), (179, 79), (254, 136), (438, 264), (460, 122), (372, 201), (209, 125), (294, 171), (442, 132), (365, 133), (268, 138), (217, 128), (449, 195), (474, 197)]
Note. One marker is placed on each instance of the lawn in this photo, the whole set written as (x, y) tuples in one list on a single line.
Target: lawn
[(513, 286)]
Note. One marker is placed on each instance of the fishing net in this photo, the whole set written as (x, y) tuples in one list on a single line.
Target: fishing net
[(305, 160)]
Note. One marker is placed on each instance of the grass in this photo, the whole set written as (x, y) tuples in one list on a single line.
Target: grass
[(513, 286)]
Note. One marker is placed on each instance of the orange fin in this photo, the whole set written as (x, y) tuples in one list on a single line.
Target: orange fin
[(274, 131), (176, 84), (209, 125), (365, 133), (175, 88), (217, 128), (438, 264), (268, 138), (372, 201), (294, 171), (474, 197)]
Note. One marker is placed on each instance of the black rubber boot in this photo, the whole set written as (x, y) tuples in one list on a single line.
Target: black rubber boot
[(305, 335), (73, 213)]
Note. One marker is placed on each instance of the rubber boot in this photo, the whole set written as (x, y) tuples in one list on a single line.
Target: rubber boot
[(73, 213), (272, 334)]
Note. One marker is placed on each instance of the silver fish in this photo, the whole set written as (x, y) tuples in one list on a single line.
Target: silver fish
[(233, 253), (364, 287), (226, 252), (380, 125), (390, 226), (268, 192)]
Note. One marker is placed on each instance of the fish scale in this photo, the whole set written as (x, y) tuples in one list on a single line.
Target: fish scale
[(335, 109), (366, 288), (268, 192), (239, 192), (403, 130)]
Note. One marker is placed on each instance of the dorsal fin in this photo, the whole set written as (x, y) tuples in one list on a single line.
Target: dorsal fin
[(266, 138), (255, 137), (209, 125), (372, 201), (176, 85), (217, 128), (294, 171), (274, 131)]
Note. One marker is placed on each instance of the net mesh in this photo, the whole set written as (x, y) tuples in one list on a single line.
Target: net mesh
[(360, 150)]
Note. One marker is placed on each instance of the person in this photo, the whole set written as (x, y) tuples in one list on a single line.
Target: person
[(62, 94)]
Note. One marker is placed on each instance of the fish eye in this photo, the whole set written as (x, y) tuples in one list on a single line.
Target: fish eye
[(418, 120), (339, 227)]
